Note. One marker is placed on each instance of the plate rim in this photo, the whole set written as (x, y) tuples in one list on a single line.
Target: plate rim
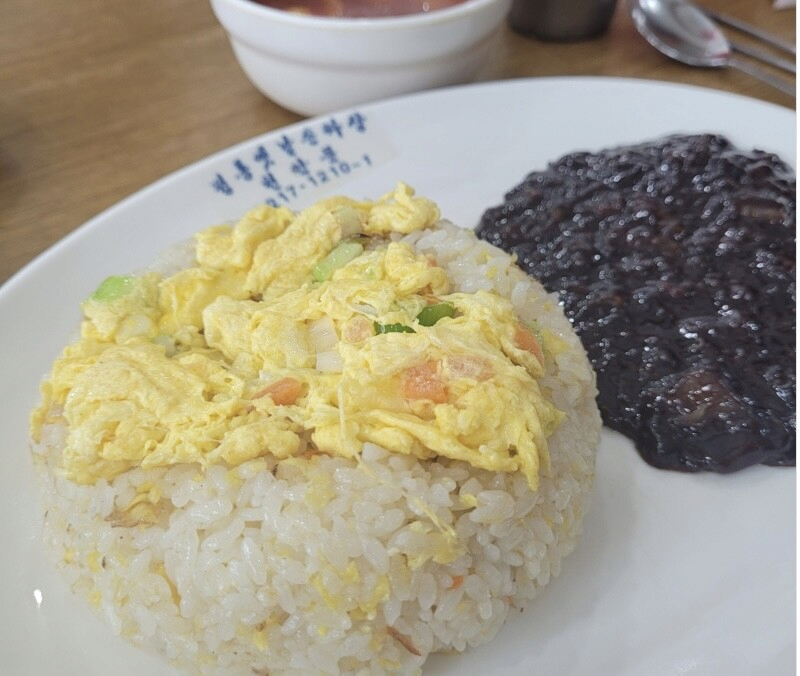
[(143, 191)]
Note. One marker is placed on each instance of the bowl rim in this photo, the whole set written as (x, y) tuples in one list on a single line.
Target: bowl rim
[(257, 10)]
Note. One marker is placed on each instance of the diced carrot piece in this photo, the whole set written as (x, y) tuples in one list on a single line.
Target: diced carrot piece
[(283, 392), (458, 580), (525, 339), (358, 329), (403, 640), (423, 382)]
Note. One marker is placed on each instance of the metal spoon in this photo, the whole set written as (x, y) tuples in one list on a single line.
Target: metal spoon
[(683, 32)]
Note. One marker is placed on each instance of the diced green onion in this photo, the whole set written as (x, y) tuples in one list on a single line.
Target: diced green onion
[(431, 314), (340, 255), (392, 328), (112, 288)]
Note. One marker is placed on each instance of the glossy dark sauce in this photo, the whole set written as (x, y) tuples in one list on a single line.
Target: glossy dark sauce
[(675, 263)]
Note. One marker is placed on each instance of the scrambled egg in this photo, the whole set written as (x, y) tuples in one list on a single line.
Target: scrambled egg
[(295, 334)]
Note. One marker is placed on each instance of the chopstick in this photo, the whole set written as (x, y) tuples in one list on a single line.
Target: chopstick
[(766, 57), (752, 31)]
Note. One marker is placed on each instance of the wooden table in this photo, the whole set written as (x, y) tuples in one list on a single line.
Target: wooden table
[(98, 98)]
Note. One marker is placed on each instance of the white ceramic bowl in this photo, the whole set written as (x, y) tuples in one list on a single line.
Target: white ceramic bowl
[(314, 65)]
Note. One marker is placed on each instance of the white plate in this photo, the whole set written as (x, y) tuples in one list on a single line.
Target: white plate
[(675, 574)]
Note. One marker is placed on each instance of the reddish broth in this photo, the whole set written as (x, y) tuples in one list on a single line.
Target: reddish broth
[(358, 8)]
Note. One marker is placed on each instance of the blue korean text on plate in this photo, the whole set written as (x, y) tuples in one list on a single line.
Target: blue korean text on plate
[(293, 165)]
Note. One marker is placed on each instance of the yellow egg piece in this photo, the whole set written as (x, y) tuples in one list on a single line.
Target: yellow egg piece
[(298, 334)]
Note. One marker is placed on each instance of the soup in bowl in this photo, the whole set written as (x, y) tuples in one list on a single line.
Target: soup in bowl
[(358, 9)]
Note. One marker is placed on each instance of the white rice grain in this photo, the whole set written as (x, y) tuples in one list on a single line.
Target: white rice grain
[(241, 571)]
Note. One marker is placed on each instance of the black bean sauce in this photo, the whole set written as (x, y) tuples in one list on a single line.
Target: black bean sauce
[(675, 263)]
